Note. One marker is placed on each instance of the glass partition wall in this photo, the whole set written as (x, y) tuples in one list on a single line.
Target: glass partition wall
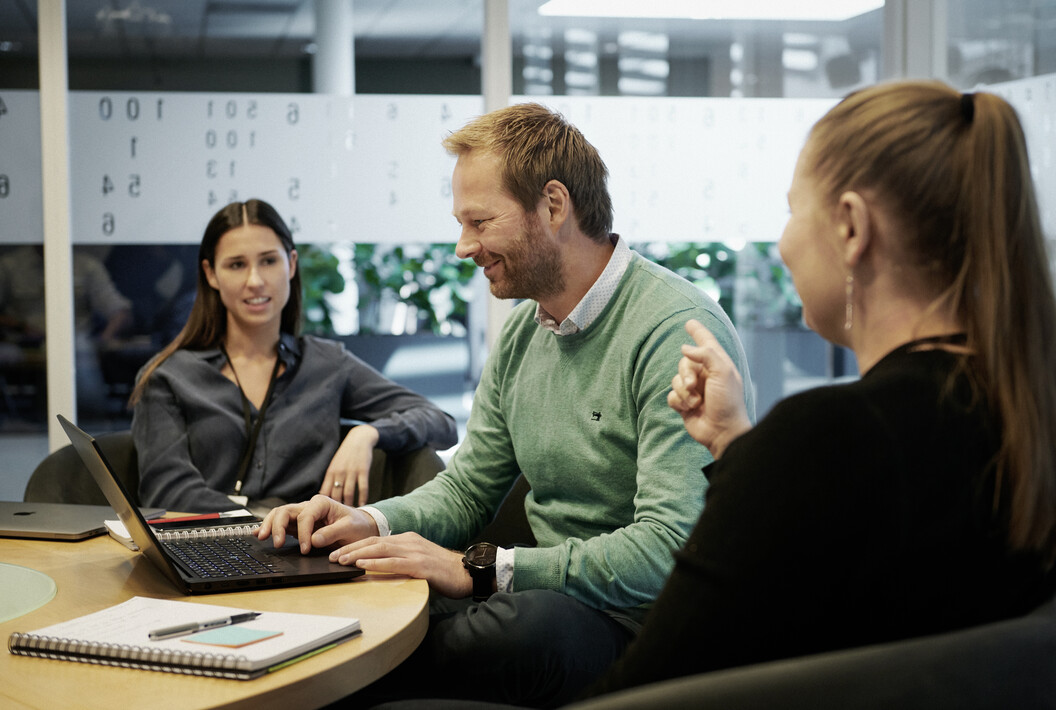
[(713, 105), (175, 111), (176, 108)]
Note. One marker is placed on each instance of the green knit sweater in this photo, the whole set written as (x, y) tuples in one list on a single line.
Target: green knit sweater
[(616, 482)]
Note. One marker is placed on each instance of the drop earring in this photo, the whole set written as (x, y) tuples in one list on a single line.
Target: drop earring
[(848, 314)]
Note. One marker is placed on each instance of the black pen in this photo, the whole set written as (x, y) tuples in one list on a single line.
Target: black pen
[(196, 626)]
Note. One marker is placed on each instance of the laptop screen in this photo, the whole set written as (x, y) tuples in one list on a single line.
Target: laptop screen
[(119, 498)]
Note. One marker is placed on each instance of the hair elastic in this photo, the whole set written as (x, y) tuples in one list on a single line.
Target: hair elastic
[(968, 107)]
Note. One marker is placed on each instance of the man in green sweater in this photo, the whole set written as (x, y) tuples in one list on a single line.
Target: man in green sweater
[(574, 395)]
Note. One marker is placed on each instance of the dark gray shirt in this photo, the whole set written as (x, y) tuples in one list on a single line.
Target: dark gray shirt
[(190, 432)]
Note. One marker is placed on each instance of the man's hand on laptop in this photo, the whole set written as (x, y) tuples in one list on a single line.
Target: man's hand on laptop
[(412, 555), (323, 522), (320, 522)]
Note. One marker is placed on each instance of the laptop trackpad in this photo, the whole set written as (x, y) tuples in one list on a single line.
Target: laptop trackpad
[(290, 554)]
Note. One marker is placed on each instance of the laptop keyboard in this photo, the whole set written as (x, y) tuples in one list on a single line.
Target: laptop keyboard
[(219, 558)]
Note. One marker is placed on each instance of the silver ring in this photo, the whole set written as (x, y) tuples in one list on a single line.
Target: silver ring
[(337, 485)]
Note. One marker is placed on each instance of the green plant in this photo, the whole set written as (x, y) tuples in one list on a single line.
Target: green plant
[(426, 277), (710, 266), (750, 283), (320, 278), (766, 296)]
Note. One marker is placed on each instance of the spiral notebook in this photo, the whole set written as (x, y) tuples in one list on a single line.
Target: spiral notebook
[(118, 636), (231, 524)]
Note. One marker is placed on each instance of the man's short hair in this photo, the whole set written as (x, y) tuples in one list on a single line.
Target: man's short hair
[(536, 145)]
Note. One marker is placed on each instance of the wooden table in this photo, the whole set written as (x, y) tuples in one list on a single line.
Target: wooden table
[(100, 572)]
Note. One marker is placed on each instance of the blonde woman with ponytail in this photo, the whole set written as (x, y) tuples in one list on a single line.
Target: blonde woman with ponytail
[(922, 497)]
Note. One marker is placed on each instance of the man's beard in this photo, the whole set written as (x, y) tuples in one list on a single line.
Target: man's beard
[(531, 265)]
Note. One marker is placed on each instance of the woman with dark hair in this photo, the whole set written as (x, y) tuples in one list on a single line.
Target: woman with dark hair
[(922, 497), (242, 407)]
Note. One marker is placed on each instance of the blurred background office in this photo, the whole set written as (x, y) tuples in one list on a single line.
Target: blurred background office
[(150, 114)]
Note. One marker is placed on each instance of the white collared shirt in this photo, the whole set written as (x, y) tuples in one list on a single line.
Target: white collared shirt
[(596, 298)]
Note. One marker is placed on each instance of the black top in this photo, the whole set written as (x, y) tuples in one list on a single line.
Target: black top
[(852, 514)]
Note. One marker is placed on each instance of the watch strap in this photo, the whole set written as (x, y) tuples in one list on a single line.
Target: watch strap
[(482, 582)]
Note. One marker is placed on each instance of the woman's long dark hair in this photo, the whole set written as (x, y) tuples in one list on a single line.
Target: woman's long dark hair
[(207, 323)]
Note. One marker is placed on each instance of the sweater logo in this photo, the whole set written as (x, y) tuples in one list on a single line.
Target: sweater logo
[(595, 416)]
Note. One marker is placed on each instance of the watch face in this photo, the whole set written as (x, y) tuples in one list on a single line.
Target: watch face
[(481, 555)]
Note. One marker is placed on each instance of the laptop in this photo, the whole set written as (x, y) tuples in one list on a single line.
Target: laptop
[(263, 565), (58, 521)]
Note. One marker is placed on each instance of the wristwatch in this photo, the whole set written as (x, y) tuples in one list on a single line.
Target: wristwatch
[(479, 559)]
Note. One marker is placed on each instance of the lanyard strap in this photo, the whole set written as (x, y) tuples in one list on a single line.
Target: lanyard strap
[(252, 427)]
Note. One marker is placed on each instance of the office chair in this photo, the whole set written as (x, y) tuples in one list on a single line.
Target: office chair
[(62, 478), (1005, 664), (395, 474)]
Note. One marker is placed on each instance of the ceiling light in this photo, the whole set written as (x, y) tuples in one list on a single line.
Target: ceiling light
[(656, 68), (581, 79), (538, 51), (655, 42), (799, 59), (634, 86), (135, 14), (825, 10), (575, 35), (799, 39), (581, 59)]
